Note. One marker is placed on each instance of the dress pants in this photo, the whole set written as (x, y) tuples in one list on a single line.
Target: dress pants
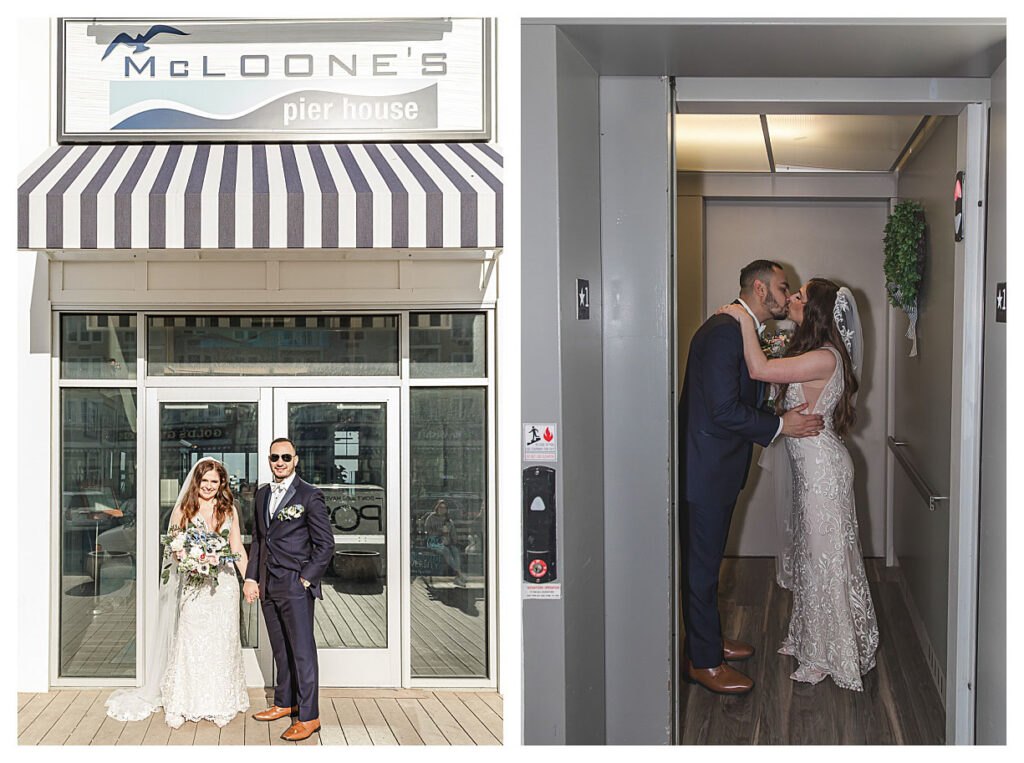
[(704, 531), (288, 611)]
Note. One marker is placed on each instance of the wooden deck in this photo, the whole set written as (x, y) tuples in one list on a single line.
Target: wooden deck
[(899, 704), (348, 717)]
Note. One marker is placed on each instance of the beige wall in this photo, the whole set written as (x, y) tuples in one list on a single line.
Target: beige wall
[(841, 240)]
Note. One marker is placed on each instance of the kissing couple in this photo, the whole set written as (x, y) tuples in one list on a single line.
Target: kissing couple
[(833, 630), (195, 671)]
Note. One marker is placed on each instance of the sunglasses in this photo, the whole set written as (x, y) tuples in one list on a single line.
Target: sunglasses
[(286, 457)]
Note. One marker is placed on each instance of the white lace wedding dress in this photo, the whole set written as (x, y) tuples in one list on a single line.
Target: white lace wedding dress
[(205, 677), (832, 629)]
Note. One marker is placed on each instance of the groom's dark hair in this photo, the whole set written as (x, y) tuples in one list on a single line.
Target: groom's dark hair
[(283, 439), (758, 270)]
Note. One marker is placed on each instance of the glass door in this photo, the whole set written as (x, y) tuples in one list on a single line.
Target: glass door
[(225, 424), (347, 444)]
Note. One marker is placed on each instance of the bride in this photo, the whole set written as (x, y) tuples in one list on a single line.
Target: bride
[(832, 629), (195, 670)]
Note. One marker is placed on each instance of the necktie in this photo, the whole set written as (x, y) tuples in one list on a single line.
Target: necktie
[(276, 492)]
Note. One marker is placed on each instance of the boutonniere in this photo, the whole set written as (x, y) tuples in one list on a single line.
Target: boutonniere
[(294, 511)]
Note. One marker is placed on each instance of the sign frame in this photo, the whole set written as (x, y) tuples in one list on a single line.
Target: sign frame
[(272, 136)]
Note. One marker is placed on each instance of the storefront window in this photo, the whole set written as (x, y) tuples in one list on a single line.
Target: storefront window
[(451, 345), (97, 346), (448, 451), (342, 449), (279, 345), (98, 533), (227, 432)]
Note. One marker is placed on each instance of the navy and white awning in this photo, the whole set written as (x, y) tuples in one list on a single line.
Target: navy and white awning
[(263, 196)]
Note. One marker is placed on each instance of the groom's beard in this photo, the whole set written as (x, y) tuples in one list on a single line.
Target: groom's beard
[(778, 312)]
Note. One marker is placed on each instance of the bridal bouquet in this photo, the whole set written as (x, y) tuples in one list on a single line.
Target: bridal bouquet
[(198, 555), (774, 346)]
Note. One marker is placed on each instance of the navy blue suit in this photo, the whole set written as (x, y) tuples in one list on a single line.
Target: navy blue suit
[(719, 421), (282, 552)]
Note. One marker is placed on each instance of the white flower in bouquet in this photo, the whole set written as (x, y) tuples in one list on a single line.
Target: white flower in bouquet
[(196, 551), (178, 543)]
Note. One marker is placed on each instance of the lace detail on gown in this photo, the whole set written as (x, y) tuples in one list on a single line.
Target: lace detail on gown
[(205, 676), (832, 629)]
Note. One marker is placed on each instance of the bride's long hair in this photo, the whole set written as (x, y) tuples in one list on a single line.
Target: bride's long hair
[(819, 328), (223, 501)]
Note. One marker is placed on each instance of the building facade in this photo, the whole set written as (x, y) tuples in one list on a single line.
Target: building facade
[(300, 239)]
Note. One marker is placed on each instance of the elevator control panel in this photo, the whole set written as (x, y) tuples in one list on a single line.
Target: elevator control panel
[(539, 562)]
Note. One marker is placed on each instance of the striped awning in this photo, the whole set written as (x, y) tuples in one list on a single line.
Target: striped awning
[(262, 196)]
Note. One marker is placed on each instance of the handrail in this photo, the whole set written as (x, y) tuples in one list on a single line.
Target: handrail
[(915, 476)]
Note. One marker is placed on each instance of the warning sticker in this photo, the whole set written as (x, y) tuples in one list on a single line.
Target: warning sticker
[(540, 442), (542, 590)]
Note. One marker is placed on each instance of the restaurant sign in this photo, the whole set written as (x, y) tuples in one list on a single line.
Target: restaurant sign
[(316, 80)]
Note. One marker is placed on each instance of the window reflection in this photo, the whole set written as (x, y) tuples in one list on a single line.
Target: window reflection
[(448, 452), (227, 432), (97, 346), (342, 449), (449, 345), (98, 533), (286, 345)]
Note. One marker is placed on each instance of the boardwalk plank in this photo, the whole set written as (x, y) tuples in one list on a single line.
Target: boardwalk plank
[(374, 722), (330, 726), (61, 730), (359, 716), (493, 700), (108, 731), (422, 722), (490, 719), (397, 721), (472, 725), (351, 722), (448, 725), (158, 733), (234, 732), (46, 719), (32, 709), (183, 735), (24, 698), (135, 731), (90, 723), (207, 732)]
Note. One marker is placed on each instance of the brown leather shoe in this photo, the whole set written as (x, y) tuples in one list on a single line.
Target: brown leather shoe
[(274, 712), (301, 730), (721, 680), (735, 650)]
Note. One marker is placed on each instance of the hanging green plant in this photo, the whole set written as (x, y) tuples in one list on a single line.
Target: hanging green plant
[(904, 254), (904, 262)]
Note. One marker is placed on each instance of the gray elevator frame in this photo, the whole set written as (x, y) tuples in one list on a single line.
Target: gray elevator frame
[(590, 675)]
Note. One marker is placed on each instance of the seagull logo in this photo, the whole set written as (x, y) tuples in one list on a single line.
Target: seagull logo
[(140, 40)]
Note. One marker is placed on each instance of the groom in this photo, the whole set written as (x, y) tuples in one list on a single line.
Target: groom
[(719, 420), (289, 554)]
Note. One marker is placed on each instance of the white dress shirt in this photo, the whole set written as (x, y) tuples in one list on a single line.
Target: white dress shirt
[(278, 494), (275, 500), (760, 330)]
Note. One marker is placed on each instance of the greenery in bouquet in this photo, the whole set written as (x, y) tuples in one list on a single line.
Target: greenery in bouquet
[(197, 554), (774, 345)]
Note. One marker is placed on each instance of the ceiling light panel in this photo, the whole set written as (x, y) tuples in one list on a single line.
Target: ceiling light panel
[(720, 143), (830, 142)]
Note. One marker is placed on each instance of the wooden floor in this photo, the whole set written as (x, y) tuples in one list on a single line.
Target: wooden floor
[(899, 704), (348, 717)]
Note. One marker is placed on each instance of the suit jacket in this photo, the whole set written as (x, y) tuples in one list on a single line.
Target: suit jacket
[(719, 417), (304, 544)]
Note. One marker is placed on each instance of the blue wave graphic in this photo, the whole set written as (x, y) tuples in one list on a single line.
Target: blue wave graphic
[(293, 111)]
